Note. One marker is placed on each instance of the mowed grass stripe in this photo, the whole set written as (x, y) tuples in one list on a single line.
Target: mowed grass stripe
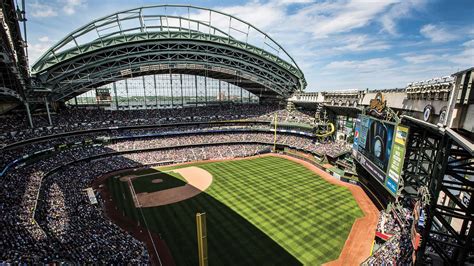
[(263, 211), (277, 168), (267, 167)]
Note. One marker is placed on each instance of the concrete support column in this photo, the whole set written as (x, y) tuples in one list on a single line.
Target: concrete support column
[(128, 98), (116, 96), (47, 111), (171, 89), (452, 102), (156, 93), (144, 92), (196, 87), (220, 92), (29, 115), (181, 84), (205, 89)]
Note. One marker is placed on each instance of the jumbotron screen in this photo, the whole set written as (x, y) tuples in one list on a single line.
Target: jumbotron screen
[(379, 146), (103, 95)]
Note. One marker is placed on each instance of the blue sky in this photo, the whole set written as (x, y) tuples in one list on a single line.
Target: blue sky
[(343, 44)]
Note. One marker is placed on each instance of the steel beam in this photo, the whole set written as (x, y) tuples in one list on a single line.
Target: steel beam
[(56, 52), (96, 67)]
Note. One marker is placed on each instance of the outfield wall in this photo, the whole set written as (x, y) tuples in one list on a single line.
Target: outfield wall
[(376, 194), (317, 164)]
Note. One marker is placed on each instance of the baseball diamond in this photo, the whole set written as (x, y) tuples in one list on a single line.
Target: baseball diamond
[(255, 132), (265, 210)]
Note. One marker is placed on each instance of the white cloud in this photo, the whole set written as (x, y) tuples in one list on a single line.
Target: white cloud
[(465, 58), (469, 44), (42, 10), (362, 66), (323, 19), (421, 59), (290, 2), (398, 11), (437, 33), (43, 39), (319, 19), (458, 57), (314, 29), (395, 76), (260, 15), (71, 5), (36, 49), (320, 34), (361, 43), (352, 15)]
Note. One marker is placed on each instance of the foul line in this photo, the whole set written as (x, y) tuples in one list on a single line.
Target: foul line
[(134, 195)]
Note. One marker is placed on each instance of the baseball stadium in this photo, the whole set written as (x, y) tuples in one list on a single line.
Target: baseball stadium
[(184, 135)]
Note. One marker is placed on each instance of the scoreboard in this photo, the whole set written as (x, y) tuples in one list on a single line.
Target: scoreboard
[(379, 146), (103, 95)]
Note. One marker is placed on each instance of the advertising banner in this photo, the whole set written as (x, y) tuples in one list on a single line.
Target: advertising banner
[(349, 123), (355, 145), (397, 159), (363, 131)]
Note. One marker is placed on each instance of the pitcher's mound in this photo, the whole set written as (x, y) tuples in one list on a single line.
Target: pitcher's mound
[(197, 179)]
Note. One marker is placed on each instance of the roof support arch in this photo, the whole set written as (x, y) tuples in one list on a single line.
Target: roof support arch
[(202, 39)]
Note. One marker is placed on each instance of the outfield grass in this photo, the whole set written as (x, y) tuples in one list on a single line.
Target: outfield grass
[(264, 211)]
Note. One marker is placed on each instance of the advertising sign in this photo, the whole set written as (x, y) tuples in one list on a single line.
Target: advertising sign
[(349, 123), (349, 127), (355, 145), (380, 149), (397, 159)]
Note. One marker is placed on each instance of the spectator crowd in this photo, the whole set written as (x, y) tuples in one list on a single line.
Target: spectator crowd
[(397, 250), (48, 218), (46, 214), (15, 127), (185, 135)]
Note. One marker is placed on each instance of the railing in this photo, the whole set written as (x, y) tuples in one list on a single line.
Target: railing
[(111, 128), (25, 158)]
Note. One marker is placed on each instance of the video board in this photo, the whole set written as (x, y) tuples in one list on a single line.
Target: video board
[(103, 95), (379, 146)]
